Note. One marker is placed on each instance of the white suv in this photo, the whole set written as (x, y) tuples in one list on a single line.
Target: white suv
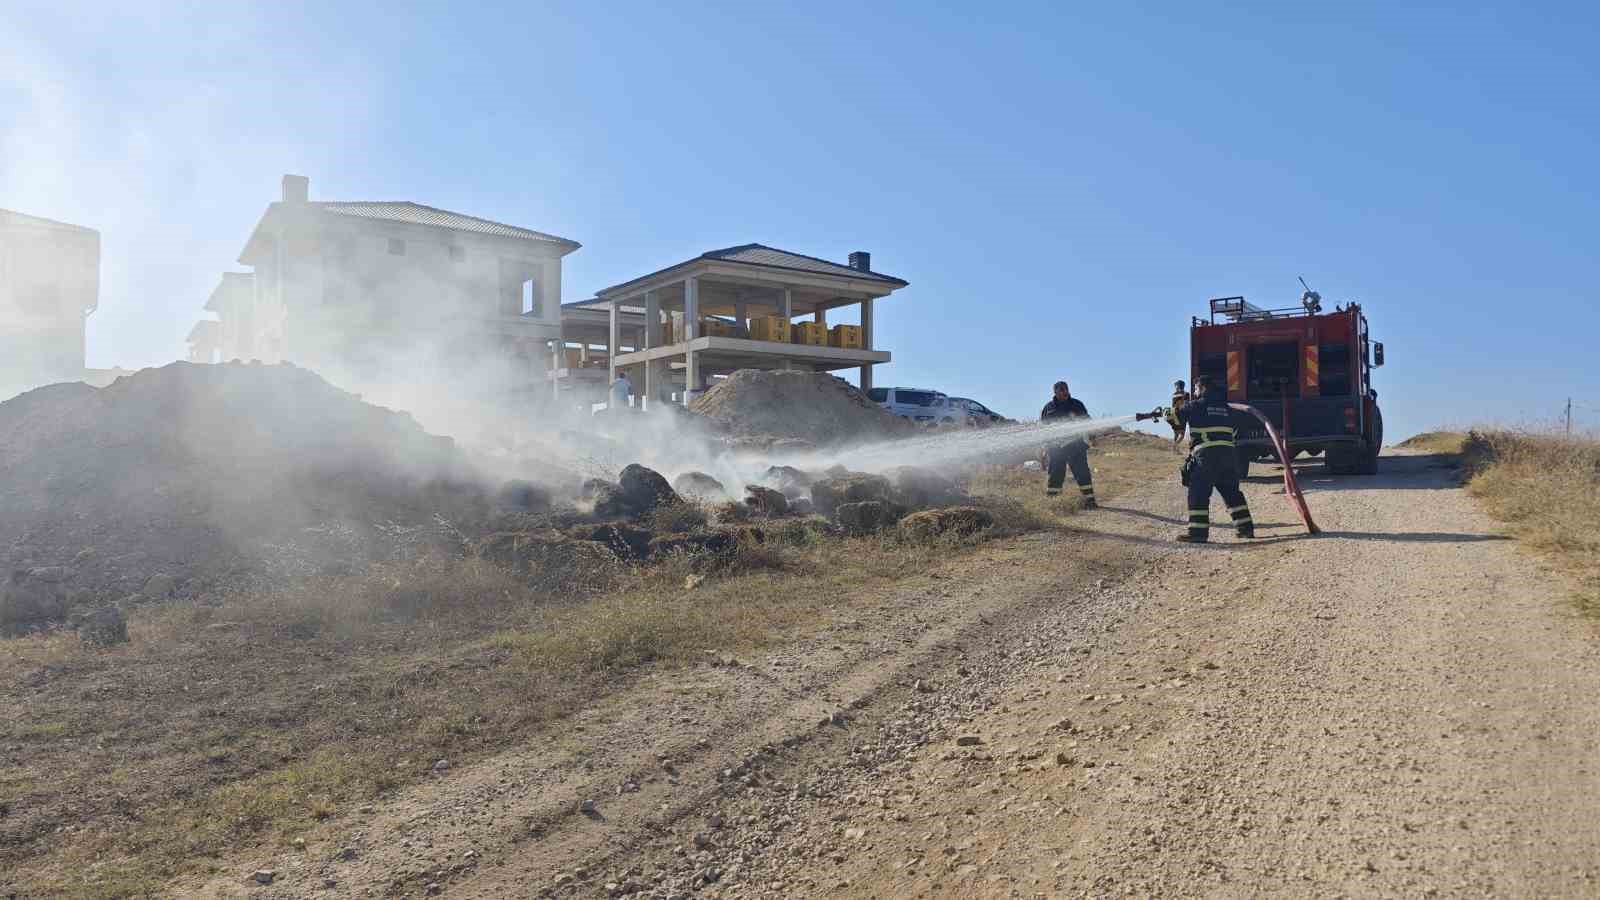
[(917, 404)]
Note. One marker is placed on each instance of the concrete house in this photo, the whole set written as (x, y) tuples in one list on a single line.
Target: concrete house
[(676, 329), (49, 285), (360, 289)]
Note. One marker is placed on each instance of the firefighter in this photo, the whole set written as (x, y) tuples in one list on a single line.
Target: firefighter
[(1074, 455), (1179, 398), (1211, 463)]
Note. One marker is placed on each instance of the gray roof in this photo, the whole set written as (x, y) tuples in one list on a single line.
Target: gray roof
[(773, 258), (41, 220), (762, 255), (417, 214)]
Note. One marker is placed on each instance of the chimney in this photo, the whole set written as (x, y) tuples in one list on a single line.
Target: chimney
[(296, 188), (861, 261)]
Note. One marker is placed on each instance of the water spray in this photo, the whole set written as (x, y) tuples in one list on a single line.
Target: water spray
[(954, 448)]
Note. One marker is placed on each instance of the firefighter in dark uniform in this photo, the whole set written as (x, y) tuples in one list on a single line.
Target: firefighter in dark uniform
[(1074, 455), (1211, 463)]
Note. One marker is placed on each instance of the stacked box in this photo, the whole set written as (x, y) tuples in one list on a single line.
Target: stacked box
[(810, 333), (718, 328), (847, 337), (770, 328), (666, 334), (572, 357)]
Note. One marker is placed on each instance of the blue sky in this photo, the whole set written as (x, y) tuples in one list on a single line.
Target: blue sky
[(1063, 186)]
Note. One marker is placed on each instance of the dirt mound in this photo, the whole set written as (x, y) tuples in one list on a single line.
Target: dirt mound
[(755, 406), (208, 474)]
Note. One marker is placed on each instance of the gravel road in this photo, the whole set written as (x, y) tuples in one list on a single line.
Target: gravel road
[(1403, 706)]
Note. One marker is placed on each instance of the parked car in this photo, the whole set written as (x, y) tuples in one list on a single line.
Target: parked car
[(975, 413), (917, 404)]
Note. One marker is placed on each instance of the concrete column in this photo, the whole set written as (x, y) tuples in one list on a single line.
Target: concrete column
[(652, 319), (741, 315), (822, 317), (614, 340), (788, 305), (866, 342), (550, 291), (691, 308), (654, 383), (691, 330)]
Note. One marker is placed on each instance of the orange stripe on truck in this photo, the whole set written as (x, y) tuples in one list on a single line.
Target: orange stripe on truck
[(1235, 375), (1310, 381)]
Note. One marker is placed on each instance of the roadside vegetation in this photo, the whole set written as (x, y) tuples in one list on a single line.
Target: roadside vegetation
[(249, 719), (1546, 488)]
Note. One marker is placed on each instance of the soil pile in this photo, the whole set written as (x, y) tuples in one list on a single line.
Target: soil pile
[(177, 479), (760, 406)]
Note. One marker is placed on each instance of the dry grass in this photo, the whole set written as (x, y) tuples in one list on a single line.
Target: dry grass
[(246, 724), (1546, 487), (1447, 442)]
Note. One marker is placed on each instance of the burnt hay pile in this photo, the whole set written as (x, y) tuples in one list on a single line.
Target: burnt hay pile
[(188, 478)]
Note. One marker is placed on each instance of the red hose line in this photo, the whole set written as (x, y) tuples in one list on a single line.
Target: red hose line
[(1290, 487)]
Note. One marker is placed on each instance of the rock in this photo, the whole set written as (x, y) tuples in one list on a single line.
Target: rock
[(699, 486), (442, 765), (263, 876), (801, 506), (347, 854), (434, 889), (522, 496), (828, 494), (791, 481), (103, 627), (589, 807), (765, 501), (918, 488), (27, 601), (866, 517), (1032, 465), (957, 520), (159, 586), (1063, 759), (968, 740), (611, 503), (645, 489)]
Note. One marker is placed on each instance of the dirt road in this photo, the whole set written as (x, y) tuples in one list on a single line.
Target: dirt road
[(1403, 706)]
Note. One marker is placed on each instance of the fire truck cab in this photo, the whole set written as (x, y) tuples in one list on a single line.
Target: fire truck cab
[(1307, 371)]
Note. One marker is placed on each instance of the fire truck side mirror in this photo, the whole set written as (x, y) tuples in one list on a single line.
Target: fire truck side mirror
[(1377, 354)]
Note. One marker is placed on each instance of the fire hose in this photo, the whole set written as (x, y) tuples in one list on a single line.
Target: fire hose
[(1291, 488)]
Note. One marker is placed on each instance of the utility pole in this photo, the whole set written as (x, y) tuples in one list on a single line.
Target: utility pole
[(1569, 417)]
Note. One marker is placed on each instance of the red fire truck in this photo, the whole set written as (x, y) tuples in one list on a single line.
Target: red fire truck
[(1307, 371)]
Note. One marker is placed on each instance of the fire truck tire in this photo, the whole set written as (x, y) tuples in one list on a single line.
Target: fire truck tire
[(1343, 462), (1369, 458)]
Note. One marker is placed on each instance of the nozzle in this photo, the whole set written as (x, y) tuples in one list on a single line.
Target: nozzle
[(1156, 413)]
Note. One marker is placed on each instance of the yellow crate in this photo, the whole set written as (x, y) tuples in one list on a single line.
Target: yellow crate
[(847, 337), (770, 328), (666, 333), (718, 328), (813, 333)]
